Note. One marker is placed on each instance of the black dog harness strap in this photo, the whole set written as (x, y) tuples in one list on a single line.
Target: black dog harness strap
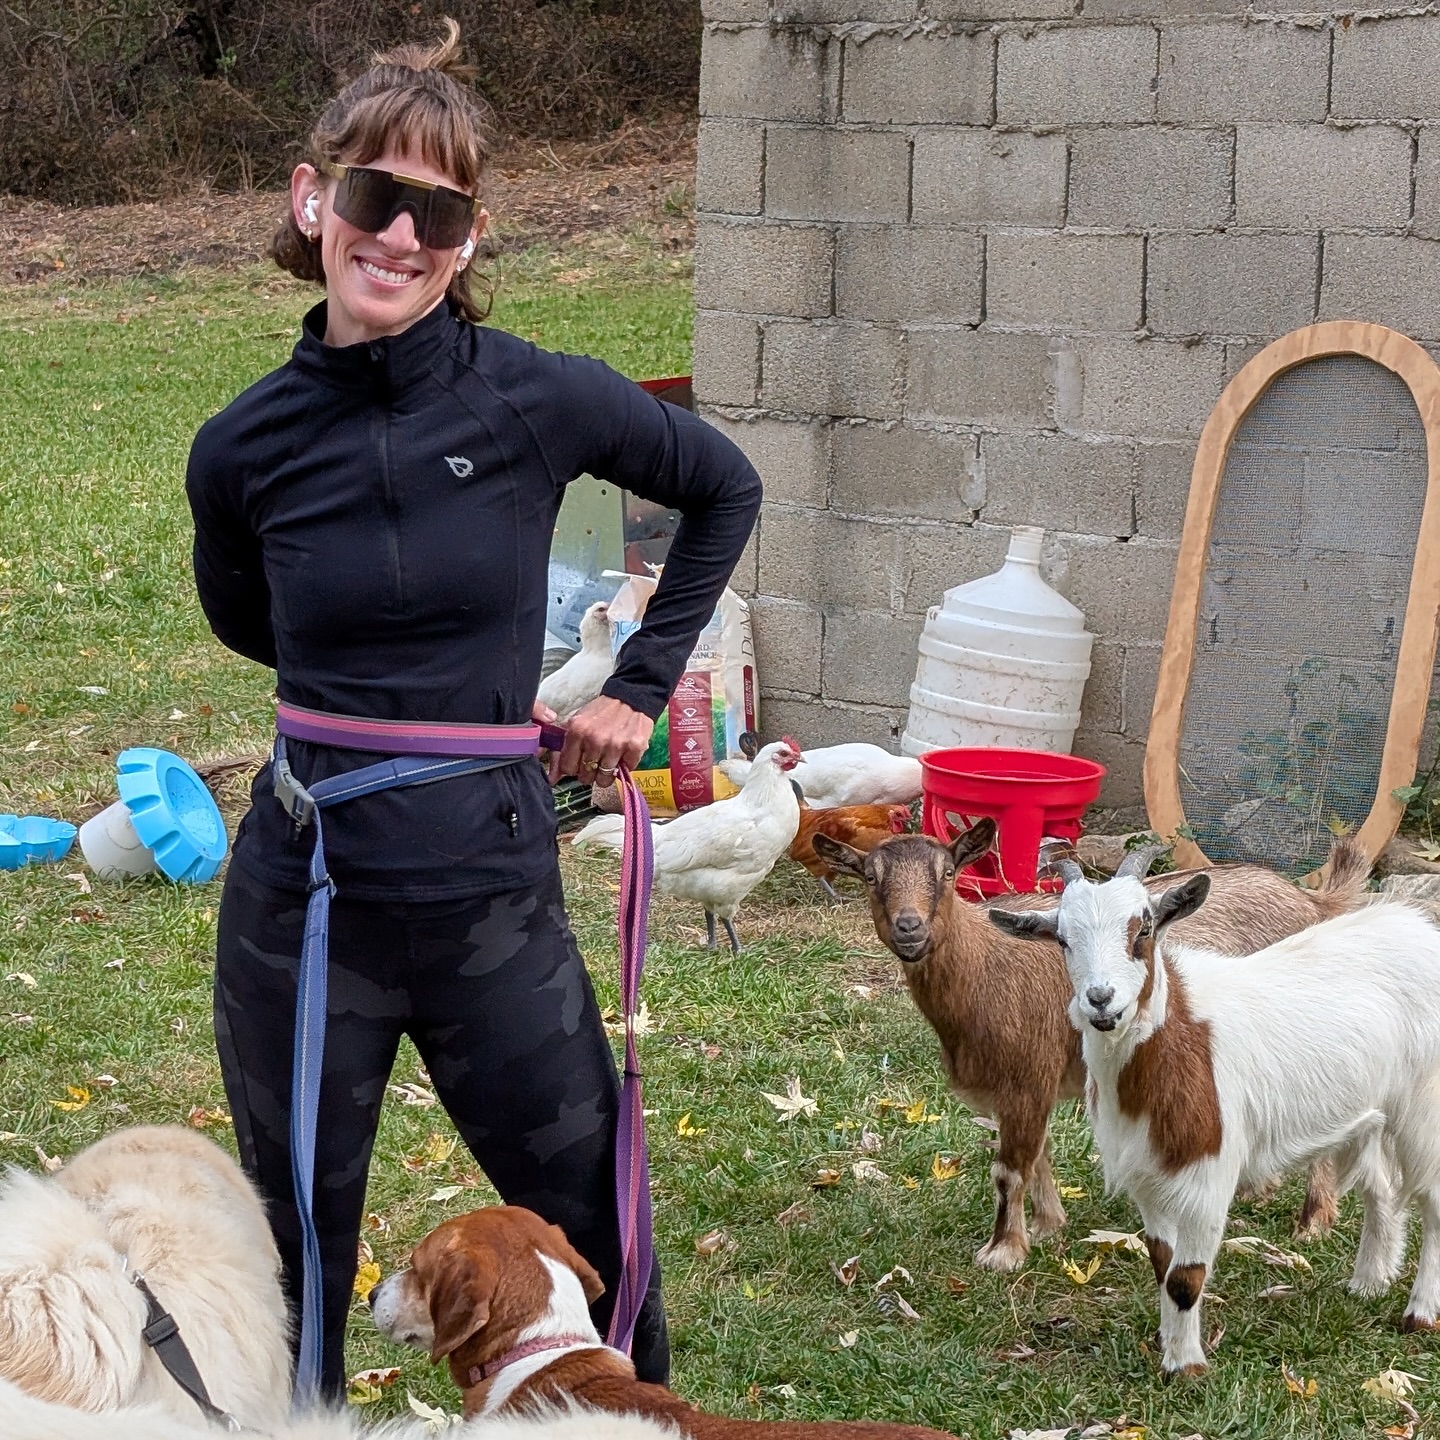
[(162, 1335)]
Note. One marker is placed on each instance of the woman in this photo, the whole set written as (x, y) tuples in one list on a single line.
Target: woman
[(373, 520)]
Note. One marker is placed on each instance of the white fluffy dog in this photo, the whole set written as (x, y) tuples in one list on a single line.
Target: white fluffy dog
[(164, 1201)]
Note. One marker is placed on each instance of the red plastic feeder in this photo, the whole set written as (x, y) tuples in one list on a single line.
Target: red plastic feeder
[(1031, 794)]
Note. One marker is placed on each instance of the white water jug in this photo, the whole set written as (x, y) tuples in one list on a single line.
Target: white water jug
[(1003, 662)]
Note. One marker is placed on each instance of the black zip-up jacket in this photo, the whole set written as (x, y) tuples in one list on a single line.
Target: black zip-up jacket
[(374, 521)]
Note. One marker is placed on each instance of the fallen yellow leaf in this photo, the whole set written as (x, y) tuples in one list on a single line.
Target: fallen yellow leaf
[(792, 1103), (1298, 1384), (915, 1115), (362, 1392), (1072, 1192), (367, 1277), (201, 1119), (944, 1167), (1079, 1276), (824, 1179), (79, 1098), (685, 1129), (1392, 1385), (435, 1151)]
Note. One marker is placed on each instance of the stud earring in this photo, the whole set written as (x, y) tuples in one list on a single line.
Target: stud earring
[(466, 251)]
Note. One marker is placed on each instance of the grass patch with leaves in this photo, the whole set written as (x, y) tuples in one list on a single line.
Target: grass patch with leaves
[(757, 1215)]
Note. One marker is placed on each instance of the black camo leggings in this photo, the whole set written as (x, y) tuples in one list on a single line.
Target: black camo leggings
[(496, 998)]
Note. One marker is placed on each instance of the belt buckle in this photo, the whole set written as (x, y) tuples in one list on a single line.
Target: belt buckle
[(298, 802)]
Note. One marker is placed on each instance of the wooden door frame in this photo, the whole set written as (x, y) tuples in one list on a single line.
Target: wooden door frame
[(1403, 357)]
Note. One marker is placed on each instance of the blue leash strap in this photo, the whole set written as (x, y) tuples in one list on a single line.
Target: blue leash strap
[(304, 806)]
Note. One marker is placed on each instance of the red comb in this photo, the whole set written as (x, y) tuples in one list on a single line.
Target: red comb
[(792, 744)]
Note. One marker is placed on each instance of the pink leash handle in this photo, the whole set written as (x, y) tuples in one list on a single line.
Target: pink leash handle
[(632, 1164)]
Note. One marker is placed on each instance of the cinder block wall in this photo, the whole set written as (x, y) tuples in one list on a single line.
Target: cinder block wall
[(990, 262)]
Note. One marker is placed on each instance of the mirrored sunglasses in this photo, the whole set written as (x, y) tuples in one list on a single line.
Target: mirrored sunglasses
[(371, 199)]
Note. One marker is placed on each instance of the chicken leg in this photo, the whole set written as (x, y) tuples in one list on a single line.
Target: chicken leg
[(710, 943)]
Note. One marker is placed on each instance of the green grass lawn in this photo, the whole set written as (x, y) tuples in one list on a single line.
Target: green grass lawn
[(98, 400)]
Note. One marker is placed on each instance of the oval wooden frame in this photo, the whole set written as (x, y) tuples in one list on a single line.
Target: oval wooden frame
[(1401, 355)]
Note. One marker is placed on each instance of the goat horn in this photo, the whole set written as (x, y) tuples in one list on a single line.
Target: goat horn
[(1137, 862), (1062, 865)]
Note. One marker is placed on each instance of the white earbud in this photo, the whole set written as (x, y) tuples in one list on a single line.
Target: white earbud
[(466, 251), (312, 209)]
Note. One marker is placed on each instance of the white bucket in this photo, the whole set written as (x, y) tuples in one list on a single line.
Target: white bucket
[(1003, 662), (111, 847)]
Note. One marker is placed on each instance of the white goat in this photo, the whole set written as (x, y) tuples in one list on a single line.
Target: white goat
[(1207, 1071)]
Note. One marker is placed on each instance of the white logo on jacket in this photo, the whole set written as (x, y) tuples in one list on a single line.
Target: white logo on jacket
[(460, 465)]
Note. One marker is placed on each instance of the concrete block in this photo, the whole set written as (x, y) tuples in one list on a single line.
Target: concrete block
[(833, 369), (1394, 280), (921, 79), (941, 556), (1312, 177), (1177, 179), (1142, 675), (896, 470), (980, 378), (1211, 74), (745, 578), (1162, 489), (764, 74), (792, 456), (815, 174), (1001, 9), (1160, 9), (1427, 184), (1239, 354), (978, 177), (815, 556), (1065, 282), (1098, 75), (787, 644), (726, 358), (870, 656), (902, 273), (832, 12), (732, 11), (816, 722), (1150, 388), (1124, 762), (1231, 284), (762, 269), (1387, 70), (730, 167), (1123, 587), (1058, 482), (1102, 707)]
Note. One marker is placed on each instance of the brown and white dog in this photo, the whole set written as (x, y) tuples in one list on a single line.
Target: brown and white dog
[(505, 1298)]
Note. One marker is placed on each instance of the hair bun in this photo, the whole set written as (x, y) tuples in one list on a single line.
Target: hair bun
[(444, 55)]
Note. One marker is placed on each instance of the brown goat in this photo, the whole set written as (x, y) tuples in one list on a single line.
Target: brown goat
[(999, 1005)]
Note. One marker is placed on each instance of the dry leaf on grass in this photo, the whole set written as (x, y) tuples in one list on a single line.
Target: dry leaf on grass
[(955, 1285), (869, 1170), (435, 1420), (944, 1167), (24, 977), (685, 1130), (848, 1339), (870, 1142), (1392, 1385), (792, 1103), (1270, 1254), (1115, 1240), (79, 1098), (1079, 1276), (898, 1275), (825, 1179), (367, 1277), (444, 1193), (1298, 1384), (847, 1271), (1277, 1292), (367, 1386), (712, 1242), (1040, 1434), (199, 1118), (377, 1223), (408, 1093), (1019, 1351), (791, 1213), (435, 1151), (1072, 1192), (106, 1082), (49, 1163), (892, 1302), (645, 1023)]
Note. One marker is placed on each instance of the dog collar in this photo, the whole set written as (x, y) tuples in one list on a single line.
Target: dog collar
[(524, 1351)]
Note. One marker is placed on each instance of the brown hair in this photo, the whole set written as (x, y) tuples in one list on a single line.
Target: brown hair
[(413, 94)]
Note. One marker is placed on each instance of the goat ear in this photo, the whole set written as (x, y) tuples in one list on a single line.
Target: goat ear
[(1027, 924), (971, 844), (839, 856), (1181, 900)]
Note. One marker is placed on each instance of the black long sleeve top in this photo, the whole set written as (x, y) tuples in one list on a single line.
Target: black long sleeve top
[(374, 521)]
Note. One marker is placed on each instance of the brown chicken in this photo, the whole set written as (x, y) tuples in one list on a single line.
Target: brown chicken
[(862, 827)]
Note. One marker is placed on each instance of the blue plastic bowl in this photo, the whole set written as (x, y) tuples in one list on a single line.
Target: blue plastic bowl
[(27, 838), (173, 814)]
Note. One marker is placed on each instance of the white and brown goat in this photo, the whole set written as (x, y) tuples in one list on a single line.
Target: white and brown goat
[(1207, 1071), (999, 1004)]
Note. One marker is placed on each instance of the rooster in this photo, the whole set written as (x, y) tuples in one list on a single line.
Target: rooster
[(853, 774), (862, 827), (718, 854), (577, 682)]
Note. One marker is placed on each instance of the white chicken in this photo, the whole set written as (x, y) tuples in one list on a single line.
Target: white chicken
[(579, 680), (717, 855), (853, 774)]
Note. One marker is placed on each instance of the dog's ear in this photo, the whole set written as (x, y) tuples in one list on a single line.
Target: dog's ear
[(563, 1251), (460, 1290)]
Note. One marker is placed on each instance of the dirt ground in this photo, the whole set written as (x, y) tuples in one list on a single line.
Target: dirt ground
[(642, 178)]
